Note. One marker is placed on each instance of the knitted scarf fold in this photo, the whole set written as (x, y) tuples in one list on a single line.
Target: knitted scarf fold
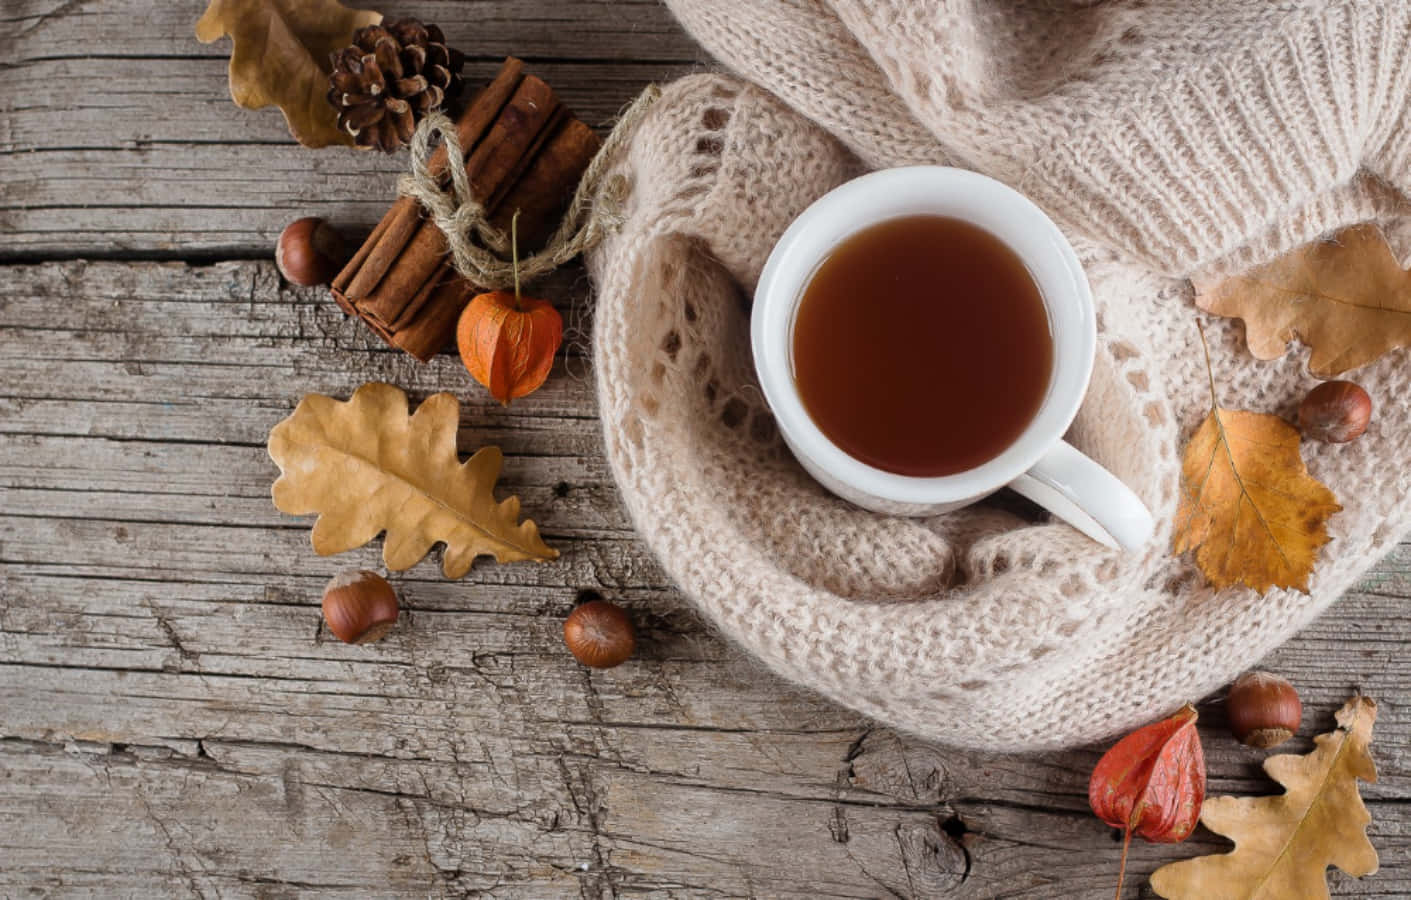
[(1166, 139)]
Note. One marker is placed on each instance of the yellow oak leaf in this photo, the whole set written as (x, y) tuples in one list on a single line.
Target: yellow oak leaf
[(366, 466), (1249, 509), (280, 56), (1284, 844), (1347, 298)]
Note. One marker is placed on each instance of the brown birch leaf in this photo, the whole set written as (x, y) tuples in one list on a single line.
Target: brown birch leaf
[(365, 466), (1249, 509), (280, 56), (1346, 298), (1284, 844)]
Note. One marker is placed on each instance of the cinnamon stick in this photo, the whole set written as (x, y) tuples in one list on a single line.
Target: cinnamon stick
[(498, 159), (542, 194), (523, 151), (507, 150), (435, 326), (397, 227), (354, 264), (497, 181)]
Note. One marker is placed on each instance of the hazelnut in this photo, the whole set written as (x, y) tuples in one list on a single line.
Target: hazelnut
[(599, 634), (310, 252), (1264, 709), (1335, 411), (359, 606)]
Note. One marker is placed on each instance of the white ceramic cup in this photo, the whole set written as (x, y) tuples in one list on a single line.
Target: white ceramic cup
[(1039, 464)]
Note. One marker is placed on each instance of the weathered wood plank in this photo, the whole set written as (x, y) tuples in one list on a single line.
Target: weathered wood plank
[(208, 153), (208, 355), (624, 30), (672, 780), (137, 149), (699, 803), (171, 719)]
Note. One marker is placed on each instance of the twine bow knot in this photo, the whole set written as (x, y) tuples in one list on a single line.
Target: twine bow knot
[(476, 246)]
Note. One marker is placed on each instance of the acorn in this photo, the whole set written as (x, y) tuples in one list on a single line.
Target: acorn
[(310, 252), (1335, 412), (359, 607), (599, 634), (1264, 709)]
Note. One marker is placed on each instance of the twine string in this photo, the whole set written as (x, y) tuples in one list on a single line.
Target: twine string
[(476, 246)]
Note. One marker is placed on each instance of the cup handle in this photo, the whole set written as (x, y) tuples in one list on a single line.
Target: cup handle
[(1088, 497)]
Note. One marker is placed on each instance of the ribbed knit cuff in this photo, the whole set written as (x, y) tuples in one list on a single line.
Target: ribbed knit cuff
[(1390, 158), (801, 53), (1234, 147)]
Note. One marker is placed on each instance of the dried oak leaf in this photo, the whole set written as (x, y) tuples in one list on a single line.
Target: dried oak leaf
[(1346, 298), (281, 56), (366, 466), (1249, 509), (1284, 844)]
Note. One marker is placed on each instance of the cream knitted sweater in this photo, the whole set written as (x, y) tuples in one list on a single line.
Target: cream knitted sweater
[(1166, 138)]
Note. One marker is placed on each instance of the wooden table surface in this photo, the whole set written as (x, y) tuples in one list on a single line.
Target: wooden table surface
[(172, 720)]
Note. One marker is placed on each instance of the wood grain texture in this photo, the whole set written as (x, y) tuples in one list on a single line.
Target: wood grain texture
[(118, 137), (173, 720), (176, 721)]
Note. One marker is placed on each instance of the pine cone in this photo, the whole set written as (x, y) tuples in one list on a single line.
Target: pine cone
[(390, 78)]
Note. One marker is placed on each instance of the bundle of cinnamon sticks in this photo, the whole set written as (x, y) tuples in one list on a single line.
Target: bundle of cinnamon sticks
[(524, 151)]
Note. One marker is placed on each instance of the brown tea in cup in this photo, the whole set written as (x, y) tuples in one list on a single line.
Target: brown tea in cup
[(922, 346)]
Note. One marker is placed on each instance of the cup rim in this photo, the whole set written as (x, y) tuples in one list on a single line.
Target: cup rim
[(891, 193)]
